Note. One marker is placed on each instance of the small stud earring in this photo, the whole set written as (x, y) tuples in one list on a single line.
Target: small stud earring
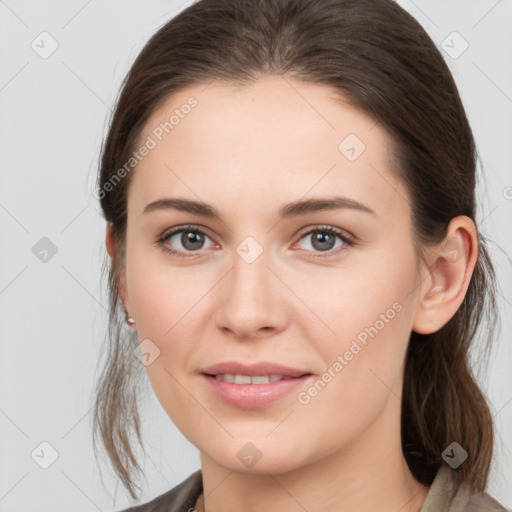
[(130, 320)]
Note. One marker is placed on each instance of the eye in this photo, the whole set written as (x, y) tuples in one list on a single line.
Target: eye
[(324, 239), (190, 239), (185, 239)]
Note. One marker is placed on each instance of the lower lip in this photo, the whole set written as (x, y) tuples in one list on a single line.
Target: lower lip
[(253, 396)]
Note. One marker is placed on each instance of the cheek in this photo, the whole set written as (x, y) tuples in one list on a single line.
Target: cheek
[(370, 311), (363, 363), (368, 291), (166, 308), (163, 298), (166, 302)]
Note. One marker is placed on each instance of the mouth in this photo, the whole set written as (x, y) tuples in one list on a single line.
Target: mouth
[(235, 378), (253, 391)]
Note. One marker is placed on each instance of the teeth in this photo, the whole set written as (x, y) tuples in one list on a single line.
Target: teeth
[(242, 379), (248, 379)]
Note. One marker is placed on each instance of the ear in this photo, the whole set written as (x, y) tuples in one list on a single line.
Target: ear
[(110, 241), (451, 265), (111, 245)]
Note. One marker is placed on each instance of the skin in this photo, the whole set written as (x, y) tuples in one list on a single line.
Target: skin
[(246, 151)]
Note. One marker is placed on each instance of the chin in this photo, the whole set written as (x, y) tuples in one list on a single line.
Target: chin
[(257, 458)]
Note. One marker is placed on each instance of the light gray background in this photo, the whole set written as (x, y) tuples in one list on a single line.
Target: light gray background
[(53, 313)]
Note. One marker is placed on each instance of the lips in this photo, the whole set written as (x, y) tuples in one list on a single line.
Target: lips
[(252, 386)]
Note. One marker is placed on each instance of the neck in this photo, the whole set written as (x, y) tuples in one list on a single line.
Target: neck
[(370, 474)]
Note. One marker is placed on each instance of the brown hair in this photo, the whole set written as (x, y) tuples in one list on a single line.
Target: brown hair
[(383, 62)]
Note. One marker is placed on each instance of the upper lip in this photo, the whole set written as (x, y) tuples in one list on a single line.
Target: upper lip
[(263, 368)]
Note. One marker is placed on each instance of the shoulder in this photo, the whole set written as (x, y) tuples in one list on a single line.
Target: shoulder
[(181, 498), (483, 502), (448, 493)]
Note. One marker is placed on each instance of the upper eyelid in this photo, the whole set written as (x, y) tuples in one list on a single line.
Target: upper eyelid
[(345, 235), (326, 227), (179, 229)]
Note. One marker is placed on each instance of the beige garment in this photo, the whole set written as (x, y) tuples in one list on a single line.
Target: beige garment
[(445, 495)]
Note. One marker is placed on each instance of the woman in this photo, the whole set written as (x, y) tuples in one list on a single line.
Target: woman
[(289, 187)]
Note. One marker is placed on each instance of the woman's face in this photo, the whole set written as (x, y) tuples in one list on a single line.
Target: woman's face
[(260, 286)]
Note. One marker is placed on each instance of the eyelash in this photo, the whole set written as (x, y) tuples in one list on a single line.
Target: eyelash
[(348, 240)]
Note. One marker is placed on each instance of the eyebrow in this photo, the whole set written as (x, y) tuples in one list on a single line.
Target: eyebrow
[(289, 210)]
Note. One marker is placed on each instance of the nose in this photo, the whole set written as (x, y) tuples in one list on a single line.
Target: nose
[(251, 300)]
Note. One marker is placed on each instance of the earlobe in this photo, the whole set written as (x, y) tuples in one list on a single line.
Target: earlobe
[(452, 265)]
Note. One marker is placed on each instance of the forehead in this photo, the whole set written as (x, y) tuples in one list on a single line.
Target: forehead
[(277, 134), (262, 108)]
